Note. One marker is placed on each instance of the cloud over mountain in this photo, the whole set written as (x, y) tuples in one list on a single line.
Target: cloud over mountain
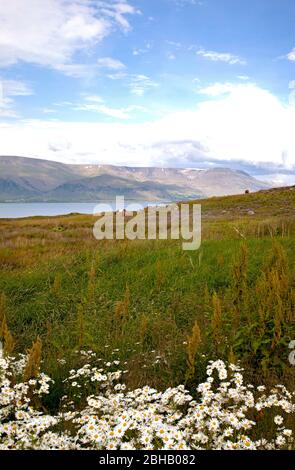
[(246, 125)]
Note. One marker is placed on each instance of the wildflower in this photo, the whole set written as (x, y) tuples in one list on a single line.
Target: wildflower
[(172, 419), (278, 420), (280, 441)]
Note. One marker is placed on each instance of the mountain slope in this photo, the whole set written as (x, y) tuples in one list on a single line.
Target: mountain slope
[(107, 186), (40, 175), (27, 180)]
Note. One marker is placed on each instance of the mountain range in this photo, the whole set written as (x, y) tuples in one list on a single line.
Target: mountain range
[(25, 179)]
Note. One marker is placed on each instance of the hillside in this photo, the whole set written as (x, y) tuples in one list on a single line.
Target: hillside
[(33, 180), (161, 313)]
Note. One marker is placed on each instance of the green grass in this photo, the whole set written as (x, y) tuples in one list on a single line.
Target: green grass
[(64, 286)]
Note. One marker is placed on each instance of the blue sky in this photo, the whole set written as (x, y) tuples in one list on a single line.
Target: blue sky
[(183, 83)]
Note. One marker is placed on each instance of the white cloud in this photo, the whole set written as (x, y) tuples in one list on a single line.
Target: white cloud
[(77, 70), (48, 110), (291, 55), (248, 125), (140, 84), (119, 113), (63, 104), (96, 104), (9, 89), (176, 45), (217, 89), (244, 78), (103, 109), (279, 179), (182, 3), (117, 76), (224, 88), (6, 111), (221, 57), (89, 70), (15, 88), (94, 98), (116, 113), (51, 32), (143, 50), (109, 63)]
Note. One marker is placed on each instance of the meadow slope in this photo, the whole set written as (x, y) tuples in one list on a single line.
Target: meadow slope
[(165, 311)]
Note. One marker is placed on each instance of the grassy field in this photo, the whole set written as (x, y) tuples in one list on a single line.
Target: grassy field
[(165, 312)]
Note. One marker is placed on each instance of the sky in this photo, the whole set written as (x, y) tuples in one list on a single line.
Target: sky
[(168, 83)]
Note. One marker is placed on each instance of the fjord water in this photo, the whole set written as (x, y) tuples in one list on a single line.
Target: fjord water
[(11, 210)]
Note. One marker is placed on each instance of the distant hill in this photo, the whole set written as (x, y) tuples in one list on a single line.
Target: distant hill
[(33, 180)]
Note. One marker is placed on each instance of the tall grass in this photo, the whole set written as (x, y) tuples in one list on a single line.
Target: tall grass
[(166, 311)]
